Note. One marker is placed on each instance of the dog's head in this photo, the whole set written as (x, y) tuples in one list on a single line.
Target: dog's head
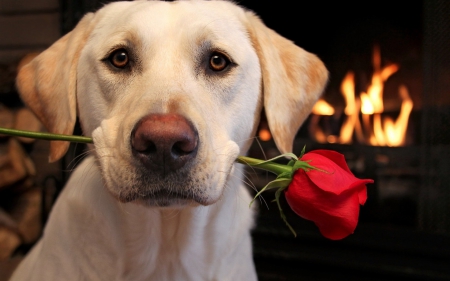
[(171, 93)]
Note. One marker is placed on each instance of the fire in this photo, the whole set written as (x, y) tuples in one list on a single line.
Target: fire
[(374, 129), (395, 131), (352, 107), (323, 108)]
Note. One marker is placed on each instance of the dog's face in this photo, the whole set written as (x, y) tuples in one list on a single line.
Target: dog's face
[(171, 93)]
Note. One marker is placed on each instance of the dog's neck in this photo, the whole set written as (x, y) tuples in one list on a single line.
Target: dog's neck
[(128, 239)]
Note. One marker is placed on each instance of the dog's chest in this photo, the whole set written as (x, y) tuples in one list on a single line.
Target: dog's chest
[(169, 250), (133, 242)]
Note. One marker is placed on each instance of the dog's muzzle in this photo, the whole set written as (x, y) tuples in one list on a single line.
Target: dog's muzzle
[(164, 143)]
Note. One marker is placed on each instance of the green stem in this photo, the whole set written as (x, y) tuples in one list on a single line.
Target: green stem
[(45, 136), (256, 163), (262, 164)]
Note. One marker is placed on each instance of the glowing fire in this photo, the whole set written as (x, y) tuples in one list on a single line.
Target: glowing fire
[(322, 108), (375, 129)]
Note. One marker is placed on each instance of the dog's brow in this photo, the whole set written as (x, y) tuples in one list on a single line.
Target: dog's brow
[(126, 38), (205, 46)]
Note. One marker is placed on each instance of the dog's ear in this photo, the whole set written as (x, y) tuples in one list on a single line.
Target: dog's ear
[(293, 80), (47, 84)]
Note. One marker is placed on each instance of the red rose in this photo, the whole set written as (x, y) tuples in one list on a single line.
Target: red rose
[(330, 196)]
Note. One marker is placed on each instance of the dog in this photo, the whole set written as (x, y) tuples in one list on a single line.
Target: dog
[(171, 93)]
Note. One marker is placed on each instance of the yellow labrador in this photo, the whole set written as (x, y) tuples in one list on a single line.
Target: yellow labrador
[(171, 93)]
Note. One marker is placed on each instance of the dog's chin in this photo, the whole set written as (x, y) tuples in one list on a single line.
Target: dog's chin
[(170, 199), (167, 198), (166, 202)]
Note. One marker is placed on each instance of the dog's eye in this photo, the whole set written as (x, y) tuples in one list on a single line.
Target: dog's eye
[(119, 58), (218, 61)]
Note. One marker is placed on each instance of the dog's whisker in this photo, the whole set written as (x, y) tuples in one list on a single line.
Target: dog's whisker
[(261, 148), (77, 159), (247, 179), (249, 183)]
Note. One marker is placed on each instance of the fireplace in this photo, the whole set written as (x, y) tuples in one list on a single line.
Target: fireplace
[(404, 229)]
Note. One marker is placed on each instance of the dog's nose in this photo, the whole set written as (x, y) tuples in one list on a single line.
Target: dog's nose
[(165, 142)]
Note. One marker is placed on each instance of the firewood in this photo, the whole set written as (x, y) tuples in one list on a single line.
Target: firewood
[(13, 168), (9, 241), (7, 221), (27, 213)]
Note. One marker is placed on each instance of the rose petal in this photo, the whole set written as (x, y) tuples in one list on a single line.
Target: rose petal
[(332, 155), (335, 179), (312, 195), (362, 195), (335, 215)]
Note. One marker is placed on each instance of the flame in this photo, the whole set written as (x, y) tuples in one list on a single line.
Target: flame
[(395, 132), (375, 90), (366, 104), (375, 129), (348, 90), (351, 110), (323, 108)]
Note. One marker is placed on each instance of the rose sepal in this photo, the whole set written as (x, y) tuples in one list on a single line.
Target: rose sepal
[(284, 176)]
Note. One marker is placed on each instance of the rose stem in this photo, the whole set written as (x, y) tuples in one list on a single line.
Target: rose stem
[(256, 163), (44, 136)]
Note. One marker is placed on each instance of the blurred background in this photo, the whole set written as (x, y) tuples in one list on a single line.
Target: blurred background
[(386, 108)]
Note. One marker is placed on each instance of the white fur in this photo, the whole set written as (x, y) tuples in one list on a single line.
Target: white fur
[(90, 234)]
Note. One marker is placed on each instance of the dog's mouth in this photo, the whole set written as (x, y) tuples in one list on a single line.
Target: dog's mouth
[(169, 198), (200, 182)]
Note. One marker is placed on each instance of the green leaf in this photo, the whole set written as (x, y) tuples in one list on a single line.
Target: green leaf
[(304, 165), (285, 175), (303, 152), (279, 182), (283, 216), (291, 155)]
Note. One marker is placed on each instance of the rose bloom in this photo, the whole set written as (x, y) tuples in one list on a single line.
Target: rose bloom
[(330, 196)]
